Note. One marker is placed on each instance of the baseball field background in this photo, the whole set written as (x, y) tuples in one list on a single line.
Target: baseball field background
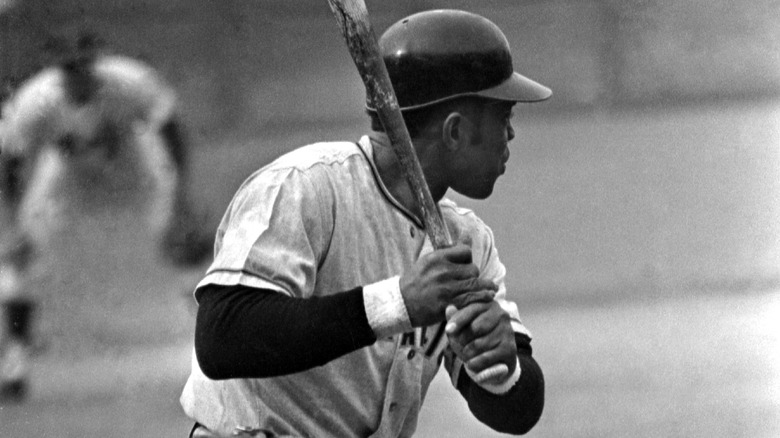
[(639, 217)]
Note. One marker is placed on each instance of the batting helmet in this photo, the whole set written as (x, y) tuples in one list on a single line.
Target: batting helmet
[(438, 55)]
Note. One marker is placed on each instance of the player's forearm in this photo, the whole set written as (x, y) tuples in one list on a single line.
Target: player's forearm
[(243, 332), (516, 411), (173, 134)]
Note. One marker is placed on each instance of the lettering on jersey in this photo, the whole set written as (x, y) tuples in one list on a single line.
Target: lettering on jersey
[(419, 338), (412, 338)]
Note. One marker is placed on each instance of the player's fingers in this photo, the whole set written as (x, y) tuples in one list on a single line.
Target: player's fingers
[(502, 354), (489, 320), (496, 372), (465, 299), (472, 289), (462, 271), (460, 254), (450, 311), (463, 317), (474, 284), (486, 331), (480, 345)]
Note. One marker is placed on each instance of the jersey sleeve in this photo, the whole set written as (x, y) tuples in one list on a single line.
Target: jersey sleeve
[(274, 234), (493, 269)]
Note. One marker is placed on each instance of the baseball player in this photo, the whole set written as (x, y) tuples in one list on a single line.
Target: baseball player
[(95, 132), (321, 315)]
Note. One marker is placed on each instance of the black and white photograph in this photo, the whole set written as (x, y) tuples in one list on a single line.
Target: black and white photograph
[(386, 219)]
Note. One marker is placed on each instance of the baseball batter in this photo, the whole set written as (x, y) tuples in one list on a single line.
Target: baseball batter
[(321, 315)]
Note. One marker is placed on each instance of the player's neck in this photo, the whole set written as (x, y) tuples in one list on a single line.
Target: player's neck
[(394, 178)]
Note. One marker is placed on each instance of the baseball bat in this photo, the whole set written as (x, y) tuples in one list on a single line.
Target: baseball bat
[(353, 20)]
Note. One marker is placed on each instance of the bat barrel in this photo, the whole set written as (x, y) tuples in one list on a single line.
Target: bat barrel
[(352, 18)]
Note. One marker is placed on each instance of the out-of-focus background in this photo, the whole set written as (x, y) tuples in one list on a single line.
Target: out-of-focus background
[(639, 218)]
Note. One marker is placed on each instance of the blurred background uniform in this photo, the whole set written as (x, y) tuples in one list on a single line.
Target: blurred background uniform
[(88, 141)]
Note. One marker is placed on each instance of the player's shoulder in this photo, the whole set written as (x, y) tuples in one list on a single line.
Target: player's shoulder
[(305, 164), (36, 101), (40, 89), (463, 222), (133, 87), (316, 155), (126, 69), (311, 172), (450, 207)]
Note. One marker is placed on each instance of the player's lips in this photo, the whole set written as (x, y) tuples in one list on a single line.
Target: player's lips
[(504, 161), (502, 168)]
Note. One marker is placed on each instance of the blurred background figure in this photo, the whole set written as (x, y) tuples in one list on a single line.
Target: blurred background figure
[(97, 132), (92, 135), (16, 310)]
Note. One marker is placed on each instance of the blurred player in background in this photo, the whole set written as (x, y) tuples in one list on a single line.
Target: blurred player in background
[(95, 132)]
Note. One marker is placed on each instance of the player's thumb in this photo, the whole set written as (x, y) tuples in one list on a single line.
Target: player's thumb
[(458, 253), (450, 311)]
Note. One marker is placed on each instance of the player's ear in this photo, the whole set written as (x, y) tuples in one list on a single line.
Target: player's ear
[(455, 131)]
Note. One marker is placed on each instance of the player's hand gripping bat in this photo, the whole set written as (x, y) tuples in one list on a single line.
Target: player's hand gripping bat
[(353, 20)]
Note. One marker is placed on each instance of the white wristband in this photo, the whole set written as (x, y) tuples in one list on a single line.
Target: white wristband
[(385, 308), (498, 388)]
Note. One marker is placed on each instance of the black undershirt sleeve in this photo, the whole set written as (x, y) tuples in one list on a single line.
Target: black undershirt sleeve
[(243, 332), (517, 411)]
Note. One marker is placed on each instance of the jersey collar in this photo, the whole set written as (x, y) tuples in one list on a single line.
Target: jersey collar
[(366, 145)]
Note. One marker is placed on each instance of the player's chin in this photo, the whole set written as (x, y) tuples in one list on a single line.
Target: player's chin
[(483, 194), (480, 190)]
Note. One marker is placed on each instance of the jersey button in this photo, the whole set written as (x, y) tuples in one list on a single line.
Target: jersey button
[(411, 354), (411, 231)]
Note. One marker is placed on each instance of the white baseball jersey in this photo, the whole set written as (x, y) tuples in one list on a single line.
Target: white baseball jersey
[(129, 92), (314, 222), (136, 174)]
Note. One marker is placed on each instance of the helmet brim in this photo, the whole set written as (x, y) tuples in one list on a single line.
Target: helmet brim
[(516, 88)]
